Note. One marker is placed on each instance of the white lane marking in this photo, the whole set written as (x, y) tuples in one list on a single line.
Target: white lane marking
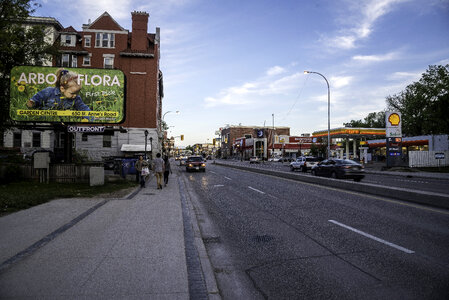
[(212, 172), (256, 190), (227, 178), (218, 185), (373, 237)]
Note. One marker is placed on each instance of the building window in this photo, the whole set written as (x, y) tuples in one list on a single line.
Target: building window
[(87, 41), (36, 139), (17, 140), (107, 141), (65, 60), (86, 60), (74, 61), (105, 40), (68, 40), (109, 62), (84, 137)]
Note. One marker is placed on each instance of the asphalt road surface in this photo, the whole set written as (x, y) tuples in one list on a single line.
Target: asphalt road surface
[(273, 238)]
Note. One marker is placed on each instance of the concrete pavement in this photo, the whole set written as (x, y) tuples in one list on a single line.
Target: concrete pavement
[(132, 247)]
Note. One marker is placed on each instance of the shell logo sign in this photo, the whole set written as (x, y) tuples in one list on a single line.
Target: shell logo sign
[(394, 119), (393, 124)]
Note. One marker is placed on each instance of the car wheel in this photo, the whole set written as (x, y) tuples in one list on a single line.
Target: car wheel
[(292, 169), (334, 175)]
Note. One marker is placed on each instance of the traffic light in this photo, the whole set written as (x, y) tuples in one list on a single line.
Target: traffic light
[(182, 137)]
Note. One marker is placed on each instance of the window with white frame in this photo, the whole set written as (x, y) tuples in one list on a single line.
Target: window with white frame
[(84, 137), (86, 59), (68, 40), (104, 40), (87, 40), (74, 61), (108, 61)]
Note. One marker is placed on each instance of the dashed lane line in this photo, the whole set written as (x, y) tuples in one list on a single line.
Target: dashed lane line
[(373, 237)]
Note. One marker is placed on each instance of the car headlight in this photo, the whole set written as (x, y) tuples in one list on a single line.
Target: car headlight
[(190, 165), (203, 165)]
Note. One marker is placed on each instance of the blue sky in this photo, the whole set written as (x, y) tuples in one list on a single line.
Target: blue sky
[(240, 61)]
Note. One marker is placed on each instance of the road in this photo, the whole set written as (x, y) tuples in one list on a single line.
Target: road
[(410, 182), (274, 238)]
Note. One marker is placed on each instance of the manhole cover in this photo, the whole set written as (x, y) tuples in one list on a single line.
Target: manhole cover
[(263, 238)]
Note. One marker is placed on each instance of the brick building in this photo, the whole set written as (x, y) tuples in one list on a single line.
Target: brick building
[(262, 139), (105, 44)]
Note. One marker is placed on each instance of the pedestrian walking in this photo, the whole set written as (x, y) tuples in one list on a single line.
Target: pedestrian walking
[(142, 170), (158, 167), (167, 169)]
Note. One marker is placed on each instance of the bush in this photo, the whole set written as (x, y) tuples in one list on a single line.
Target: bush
[(12, 173)]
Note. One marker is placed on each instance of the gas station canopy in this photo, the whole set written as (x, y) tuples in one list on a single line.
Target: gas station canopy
[(351, 133)]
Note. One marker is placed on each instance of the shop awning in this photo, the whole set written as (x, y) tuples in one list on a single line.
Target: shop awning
[(135, 148)]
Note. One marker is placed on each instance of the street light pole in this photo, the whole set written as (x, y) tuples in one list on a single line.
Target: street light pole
[(146, 135), (328, 112)]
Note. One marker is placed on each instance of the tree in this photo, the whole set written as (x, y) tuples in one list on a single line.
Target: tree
[(373, 120), (19, 45), (424, 105)]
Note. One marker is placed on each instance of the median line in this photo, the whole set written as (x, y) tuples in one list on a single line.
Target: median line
[(373, 237), (259, 191)]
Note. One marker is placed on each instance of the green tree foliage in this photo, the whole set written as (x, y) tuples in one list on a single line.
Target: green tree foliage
[(424, 105), (19, 45), (373, 120)]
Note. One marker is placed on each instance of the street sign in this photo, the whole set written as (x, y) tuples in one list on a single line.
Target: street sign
[(439, 155)]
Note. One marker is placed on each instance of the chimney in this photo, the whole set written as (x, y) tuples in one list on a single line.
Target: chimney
[(139, 39)]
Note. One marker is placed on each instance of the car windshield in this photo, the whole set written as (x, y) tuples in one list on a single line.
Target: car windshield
[(195, 159)]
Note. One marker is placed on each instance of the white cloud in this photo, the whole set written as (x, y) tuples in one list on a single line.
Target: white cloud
[(376, 58), (276, 70), (340, 81), (409, 76), (362, 27)]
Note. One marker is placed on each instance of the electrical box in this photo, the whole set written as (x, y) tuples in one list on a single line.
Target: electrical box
[(41, 160)]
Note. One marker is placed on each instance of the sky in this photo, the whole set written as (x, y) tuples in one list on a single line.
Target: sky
[(242, 62)]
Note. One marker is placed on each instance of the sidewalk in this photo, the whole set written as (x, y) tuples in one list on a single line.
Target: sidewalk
[(97, 248)]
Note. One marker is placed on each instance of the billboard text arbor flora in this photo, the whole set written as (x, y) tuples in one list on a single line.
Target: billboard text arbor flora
[(71, 95)]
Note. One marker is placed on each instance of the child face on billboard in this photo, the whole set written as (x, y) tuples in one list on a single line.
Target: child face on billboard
[(71, 91)]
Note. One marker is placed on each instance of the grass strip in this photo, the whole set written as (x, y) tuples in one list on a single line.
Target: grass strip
[(22, 195)]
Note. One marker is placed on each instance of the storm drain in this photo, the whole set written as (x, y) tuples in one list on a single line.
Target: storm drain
[(263, 238)]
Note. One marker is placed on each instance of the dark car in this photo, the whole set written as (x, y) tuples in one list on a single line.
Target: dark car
[(339, 168), (195, 163)]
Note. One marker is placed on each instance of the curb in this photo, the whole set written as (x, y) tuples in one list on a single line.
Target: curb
[(408, 195)]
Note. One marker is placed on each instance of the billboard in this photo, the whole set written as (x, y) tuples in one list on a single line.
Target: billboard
[(70, 95)]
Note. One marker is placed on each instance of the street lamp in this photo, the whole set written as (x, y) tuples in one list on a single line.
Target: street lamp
[(146, 135), (328, 112), (177, 112), (151, 146)]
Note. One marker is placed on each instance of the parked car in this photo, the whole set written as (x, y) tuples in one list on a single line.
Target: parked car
[(304, 163), (182, 161), (254, 160), (285, 159), (195, 163), (339, 168)]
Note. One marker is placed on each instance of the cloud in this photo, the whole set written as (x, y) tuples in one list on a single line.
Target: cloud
[(257, 91), (376, 58), (361, 27), (276, 70), (340, 81), (408, 76)]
